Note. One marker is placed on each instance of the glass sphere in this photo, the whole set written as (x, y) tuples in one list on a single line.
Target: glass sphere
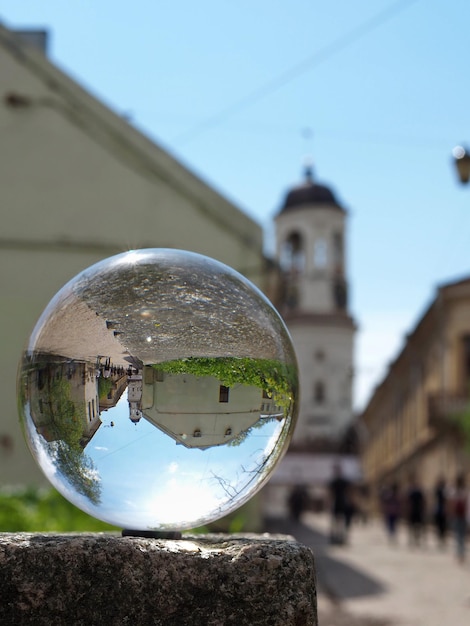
[(158, 390)]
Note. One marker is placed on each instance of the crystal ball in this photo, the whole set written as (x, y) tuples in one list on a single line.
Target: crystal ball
[(158, 390)]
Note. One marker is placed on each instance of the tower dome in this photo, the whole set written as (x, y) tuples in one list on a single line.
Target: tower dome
[(309, 193)]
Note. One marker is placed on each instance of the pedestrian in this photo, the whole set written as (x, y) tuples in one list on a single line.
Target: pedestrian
[(415, 511), (391, 507), (440, 511), (340, 502), (298, 502), (459, 511), (350, 508)]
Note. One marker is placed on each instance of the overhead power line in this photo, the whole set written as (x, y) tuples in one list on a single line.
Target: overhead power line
[(318, 57)]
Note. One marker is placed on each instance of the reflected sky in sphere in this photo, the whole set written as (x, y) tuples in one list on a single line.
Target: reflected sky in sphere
[(158, 390)]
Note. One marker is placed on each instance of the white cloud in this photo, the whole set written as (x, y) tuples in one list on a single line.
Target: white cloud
[(173, 468)]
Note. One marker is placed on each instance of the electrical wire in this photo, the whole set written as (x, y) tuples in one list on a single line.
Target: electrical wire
[(320, 56)]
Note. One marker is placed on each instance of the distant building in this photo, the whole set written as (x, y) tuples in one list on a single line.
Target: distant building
[(56, 385), (313, 299), (79, 184), (312, 296), (199, 412), (134, 397), (411, 420)]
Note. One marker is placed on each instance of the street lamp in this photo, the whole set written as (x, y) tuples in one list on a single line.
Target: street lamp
[(462, 163)]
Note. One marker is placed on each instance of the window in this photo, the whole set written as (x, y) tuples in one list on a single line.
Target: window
[(292, 260), (319, 392), (292, 254), (320, 254), (223, 393), (319, 356)]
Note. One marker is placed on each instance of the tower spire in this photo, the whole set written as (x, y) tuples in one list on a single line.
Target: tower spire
[(308, 171), (307, 134)]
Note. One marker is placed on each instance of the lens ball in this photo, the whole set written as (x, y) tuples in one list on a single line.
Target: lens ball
[(158, 390)]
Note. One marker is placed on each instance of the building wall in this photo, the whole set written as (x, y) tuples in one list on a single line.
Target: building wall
[(183, 405), (410, 419), (79, 184), (325, 358)]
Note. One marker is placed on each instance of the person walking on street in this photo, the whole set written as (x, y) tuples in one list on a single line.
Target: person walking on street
[(459, 510), (416, 512), (298, 502), (340, 495), (440, 511), (391, 506)]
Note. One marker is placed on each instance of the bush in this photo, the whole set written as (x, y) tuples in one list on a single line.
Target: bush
[(44, 510)]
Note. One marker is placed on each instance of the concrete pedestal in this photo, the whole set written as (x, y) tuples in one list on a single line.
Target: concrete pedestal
[(200, 580)]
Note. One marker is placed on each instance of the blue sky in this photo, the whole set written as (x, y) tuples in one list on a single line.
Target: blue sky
[(377, 91), (145, 479)]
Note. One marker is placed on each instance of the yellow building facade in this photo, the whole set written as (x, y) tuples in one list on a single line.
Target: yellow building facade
[(79, 184), (410, 424)]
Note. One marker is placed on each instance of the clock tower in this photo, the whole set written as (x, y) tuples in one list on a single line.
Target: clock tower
[(311, 254)]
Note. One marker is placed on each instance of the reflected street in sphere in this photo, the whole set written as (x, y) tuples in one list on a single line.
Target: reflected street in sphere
[(158, 390)]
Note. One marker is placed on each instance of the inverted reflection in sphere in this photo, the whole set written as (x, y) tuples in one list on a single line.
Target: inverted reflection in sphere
[(158, 390)]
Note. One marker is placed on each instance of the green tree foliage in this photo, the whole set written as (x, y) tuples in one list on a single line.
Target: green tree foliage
[(65, 420), (63, 417), (104, 387), (79, 470), (279, 380), (270, 375)]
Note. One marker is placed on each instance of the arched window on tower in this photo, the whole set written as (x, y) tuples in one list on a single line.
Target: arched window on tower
[(292, 266), (320, 253), (293, 254)]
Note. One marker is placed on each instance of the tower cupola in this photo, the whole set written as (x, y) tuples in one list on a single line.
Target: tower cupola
[(309, 194), (310, 247)]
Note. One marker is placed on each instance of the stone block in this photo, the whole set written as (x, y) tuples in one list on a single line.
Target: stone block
[(199, 580)]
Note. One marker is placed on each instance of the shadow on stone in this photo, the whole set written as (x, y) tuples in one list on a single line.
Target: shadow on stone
[(335, 578)]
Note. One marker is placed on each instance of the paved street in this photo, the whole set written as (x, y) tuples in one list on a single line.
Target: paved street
[(372, 583)]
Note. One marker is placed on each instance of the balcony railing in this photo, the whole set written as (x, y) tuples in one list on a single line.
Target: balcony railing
[(444, 409)]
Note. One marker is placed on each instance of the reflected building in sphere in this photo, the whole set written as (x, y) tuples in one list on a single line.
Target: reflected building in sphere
[(222, 415), (313, 299)]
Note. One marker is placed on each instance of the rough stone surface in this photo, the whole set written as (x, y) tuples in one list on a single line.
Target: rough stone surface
[(206, 580)]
